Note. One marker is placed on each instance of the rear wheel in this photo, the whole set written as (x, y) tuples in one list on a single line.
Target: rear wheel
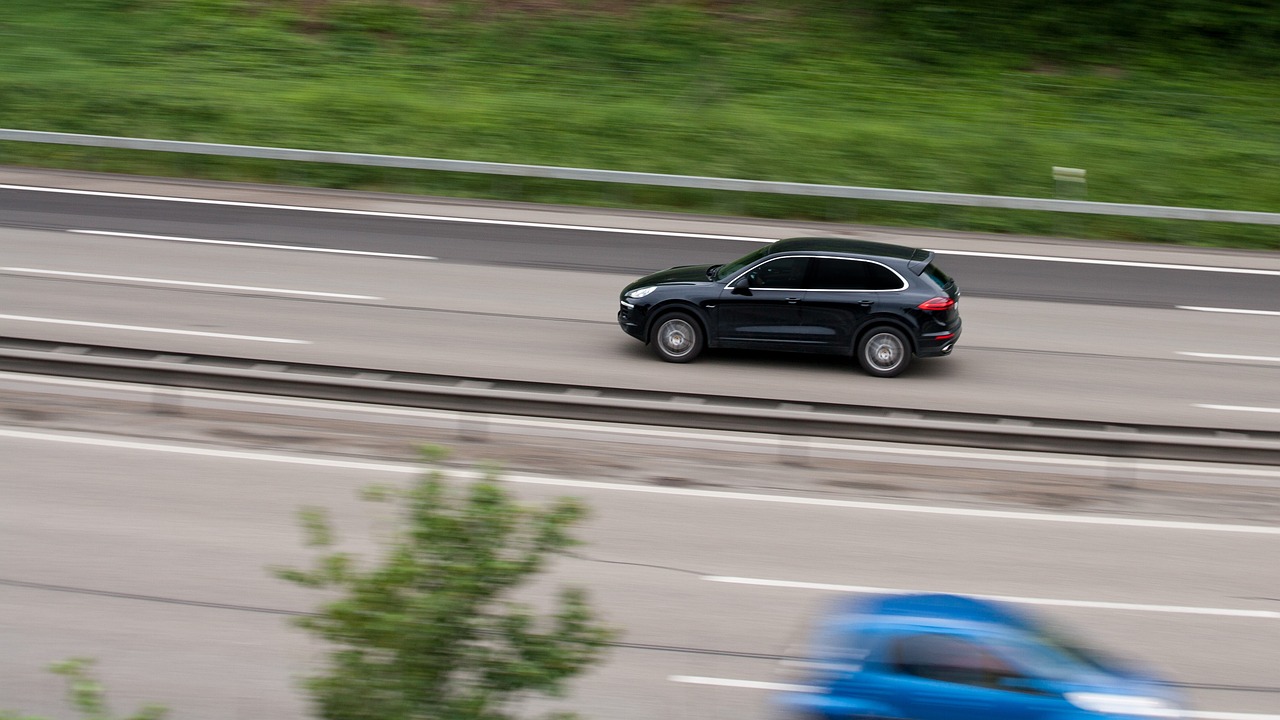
[(884, 352), (676, 338)]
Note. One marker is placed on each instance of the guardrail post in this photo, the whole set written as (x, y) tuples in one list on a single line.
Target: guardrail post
[(166, 400), (472, 427), (1119, 473), (1069, 184), (793, 450)]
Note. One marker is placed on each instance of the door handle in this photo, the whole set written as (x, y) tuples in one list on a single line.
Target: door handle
[(793, 300)]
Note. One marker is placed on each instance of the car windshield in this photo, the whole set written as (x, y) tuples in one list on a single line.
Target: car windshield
[(728, 270), (1046, 657), (1052, 637)]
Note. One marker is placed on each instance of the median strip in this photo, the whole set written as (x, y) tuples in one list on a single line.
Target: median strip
[(630, 406)]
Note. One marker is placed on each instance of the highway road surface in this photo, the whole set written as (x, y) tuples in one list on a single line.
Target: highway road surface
[(1093, 331), (150, 553), (152, 556)]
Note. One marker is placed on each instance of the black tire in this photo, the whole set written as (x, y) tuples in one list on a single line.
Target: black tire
[(676, 337), (884, 352)]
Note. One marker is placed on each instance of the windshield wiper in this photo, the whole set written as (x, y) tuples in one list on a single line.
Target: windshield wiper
[(711, 271)]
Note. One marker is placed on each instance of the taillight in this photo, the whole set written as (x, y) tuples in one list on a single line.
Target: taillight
[(938, 303)]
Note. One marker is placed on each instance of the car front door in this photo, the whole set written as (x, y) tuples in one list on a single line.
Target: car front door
[(943, 676), (840, 294), (761, 307)]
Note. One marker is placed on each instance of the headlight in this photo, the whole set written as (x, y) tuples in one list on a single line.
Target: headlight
[(1134, 705), (641, 292)]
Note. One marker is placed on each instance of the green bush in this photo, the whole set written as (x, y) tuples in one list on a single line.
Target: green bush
[(800, 90), (1089, 30)]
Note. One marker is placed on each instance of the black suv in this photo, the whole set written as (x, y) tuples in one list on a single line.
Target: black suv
[(882, 303)]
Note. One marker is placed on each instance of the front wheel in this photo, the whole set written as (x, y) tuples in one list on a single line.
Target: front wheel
[(676, 338), (884, 352)]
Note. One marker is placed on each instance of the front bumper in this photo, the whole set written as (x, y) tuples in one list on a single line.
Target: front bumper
[(631, 319)]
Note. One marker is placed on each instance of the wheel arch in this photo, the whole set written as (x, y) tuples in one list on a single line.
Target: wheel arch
[(676, 305), (877, 321)]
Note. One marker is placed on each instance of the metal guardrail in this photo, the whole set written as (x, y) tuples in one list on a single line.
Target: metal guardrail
[(640, 178), (601, 404)]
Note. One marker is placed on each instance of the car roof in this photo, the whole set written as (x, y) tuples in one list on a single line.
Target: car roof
[(848, 245), (936, 607)]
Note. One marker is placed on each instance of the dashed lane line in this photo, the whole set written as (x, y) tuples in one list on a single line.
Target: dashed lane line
[(658, 490), (143, 328)]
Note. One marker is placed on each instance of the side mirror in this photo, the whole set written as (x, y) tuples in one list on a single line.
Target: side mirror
[(741, 286)]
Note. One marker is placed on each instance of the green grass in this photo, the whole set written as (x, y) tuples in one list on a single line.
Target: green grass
[(773, 93)]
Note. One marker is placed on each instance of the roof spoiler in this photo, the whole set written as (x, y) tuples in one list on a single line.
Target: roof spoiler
[(920, 259)]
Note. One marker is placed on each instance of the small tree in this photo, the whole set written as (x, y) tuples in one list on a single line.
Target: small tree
[(87, 695), (429, 631)]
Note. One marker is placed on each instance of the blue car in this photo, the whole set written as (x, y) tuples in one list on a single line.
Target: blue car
[(948, 657)]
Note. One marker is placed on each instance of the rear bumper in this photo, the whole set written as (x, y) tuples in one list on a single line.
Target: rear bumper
[(938, 344)]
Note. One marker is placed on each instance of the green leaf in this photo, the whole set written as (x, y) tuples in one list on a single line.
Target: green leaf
[(315, 523), (428, 629)]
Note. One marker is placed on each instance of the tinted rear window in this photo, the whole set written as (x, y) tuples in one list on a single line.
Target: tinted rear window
[(844, 274), (938, 274)]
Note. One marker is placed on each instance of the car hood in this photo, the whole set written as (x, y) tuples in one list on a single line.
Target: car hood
[(1113, 685), (683, 275)]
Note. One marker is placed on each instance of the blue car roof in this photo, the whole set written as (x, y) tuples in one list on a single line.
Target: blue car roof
[(938, 606)]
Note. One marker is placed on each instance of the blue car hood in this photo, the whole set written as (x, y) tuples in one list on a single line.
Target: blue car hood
[(1103, 683)]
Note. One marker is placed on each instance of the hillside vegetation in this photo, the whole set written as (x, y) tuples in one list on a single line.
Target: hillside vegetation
[(1163, 103)]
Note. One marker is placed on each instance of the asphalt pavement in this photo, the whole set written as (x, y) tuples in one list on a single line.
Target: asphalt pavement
[(1054, 328), (153, 557), (151, 554)]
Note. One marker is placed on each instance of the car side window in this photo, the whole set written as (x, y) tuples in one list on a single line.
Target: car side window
[(850, 274), (783, 272), (948, 658)]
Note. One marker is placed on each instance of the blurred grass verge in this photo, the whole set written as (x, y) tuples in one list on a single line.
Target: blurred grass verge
[(792, 90)]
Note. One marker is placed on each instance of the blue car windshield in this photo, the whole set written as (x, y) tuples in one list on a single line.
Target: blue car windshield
[(1044, 656)]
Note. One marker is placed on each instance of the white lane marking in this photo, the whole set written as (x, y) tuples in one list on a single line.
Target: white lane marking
[(1237, 408), (595, 228), (792, 687), (379, 213), (769, 441), (1223, 356), (242, 243), (1236, 311), (208, 452), (1049, 602), (188, 283), (140, 328), (749, 684), (896, 507), (648, 489), (1113, 263)]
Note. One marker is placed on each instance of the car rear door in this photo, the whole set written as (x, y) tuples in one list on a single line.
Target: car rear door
[(939, 675), (841, 293)]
